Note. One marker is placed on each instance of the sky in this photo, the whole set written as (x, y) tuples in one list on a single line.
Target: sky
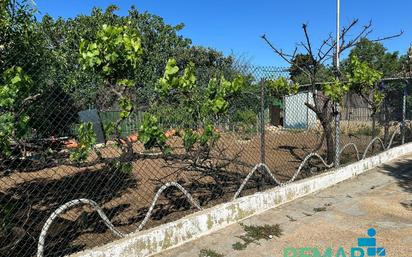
[(235, 26)]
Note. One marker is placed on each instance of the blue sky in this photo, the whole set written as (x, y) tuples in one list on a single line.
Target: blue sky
[(235, 26)]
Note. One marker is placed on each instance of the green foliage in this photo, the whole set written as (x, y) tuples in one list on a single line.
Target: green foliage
[(170, 77), (256, 233), (378, 97), (113, 54), (218, 92), (189, 139), (362, 75), (363, 79), (116, 54), (304, 62), (208, 62), (6, 131), (115, 50), (159, 41), (177, 89), (376, 56), (172, 80), (150, 132), (336, 90), (126, 107), (26, 43), (247, 117), (108, 129), (16, 88), (209, 253), (86, 140), (245, 122), (281, 87), (181, 97), (119, 166), (208, 135), (15, 92)]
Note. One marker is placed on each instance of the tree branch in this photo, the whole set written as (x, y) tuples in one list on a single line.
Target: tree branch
[(287, 57)]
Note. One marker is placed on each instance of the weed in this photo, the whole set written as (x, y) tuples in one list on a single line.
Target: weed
[(209, 253), (238, 246), (256, 233), (364, 130), (291, 218), (319, 209)]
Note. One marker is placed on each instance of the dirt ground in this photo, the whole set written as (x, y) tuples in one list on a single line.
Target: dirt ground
[(125, 197)]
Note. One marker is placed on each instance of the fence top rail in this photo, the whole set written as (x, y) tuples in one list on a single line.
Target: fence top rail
[(382, 80)]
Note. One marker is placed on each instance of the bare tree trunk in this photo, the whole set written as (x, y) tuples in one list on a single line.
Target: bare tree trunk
[(323, 114), (373, 132), (386, 122), (330, 144)]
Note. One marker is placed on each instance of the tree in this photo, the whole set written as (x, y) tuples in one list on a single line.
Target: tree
[(389, 65), (179, 89), (43, 49), (306, 62), (15, 96), (115, 56), (159, 42), (377, 57), (207, 63), (325, 96), (364, 81), (300, 60), (25, 44)]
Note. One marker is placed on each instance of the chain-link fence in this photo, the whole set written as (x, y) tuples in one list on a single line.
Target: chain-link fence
[(375, 129), (53, 205)]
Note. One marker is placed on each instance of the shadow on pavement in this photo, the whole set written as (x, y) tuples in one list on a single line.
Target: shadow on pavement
[(402, 172)]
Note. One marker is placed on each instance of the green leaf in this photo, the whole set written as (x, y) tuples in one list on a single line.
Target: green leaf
[(281, 87), (86, 140), (171, 67), (150, 133), (126, 107), (16, 79), (189, 139)]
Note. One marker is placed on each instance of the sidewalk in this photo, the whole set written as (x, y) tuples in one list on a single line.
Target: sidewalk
[(333, 218)]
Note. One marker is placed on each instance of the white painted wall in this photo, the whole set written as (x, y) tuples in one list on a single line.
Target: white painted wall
[(296, 114)]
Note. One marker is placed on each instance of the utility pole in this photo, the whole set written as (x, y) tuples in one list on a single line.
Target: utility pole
[(337, 33), (337, 116)]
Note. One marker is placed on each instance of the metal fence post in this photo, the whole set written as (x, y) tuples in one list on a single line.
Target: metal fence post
[(337, 135), (262, 122)]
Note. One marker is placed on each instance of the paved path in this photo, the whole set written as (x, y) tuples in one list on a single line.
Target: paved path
[(379, 199)]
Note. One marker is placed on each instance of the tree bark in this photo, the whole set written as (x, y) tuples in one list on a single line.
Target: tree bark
[(330, 144), (324, 116)]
